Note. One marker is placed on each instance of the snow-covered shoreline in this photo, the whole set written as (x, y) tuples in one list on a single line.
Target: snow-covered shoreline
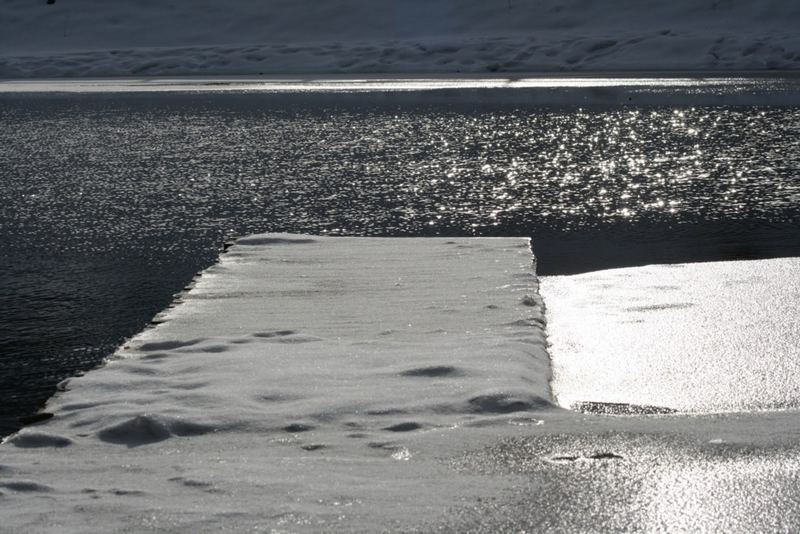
[(84, 38), (493, 55)]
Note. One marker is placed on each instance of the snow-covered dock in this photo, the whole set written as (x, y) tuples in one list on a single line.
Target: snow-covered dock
[(311, 384), (288, 360)]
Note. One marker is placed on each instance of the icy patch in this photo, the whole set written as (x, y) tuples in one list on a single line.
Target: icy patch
[(703, 337)]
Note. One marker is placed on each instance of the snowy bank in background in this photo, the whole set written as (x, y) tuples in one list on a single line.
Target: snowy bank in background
[(207, 37)]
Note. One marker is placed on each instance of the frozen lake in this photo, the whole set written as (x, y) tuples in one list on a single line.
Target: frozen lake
[(113, 200)]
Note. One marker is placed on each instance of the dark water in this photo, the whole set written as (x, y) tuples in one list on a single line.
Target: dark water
[(110, 204)]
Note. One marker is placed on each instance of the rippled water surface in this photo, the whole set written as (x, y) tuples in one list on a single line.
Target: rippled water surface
[(111, 204)]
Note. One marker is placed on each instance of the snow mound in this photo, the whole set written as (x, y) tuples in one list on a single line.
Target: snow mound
[(204, 37)]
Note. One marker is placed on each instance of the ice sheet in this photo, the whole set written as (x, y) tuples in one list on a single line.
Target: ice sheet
[(702, 337)]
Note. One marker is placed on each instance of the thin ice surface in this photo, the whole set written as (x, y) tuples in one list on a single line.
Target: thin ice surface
[(703, 337)]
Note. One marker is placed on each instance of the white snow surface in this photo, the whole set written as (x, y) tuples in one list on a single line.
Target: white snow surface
[(208, 37), (701, 337), (317, 384), (282, 390)]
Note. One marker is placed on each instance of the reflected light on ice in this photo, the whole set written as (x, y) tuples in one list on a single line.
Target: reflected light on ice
[(703, 337), (738, 494)]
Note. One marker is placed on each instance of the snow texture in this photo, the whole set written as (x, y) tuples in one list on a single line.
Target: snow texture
[(290, 362), (315, 384), (206, 37), (701, 337)]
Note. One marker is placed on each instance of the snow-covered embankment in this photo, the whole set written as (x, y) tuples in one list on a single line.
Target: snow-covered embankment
[(206, 37)]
